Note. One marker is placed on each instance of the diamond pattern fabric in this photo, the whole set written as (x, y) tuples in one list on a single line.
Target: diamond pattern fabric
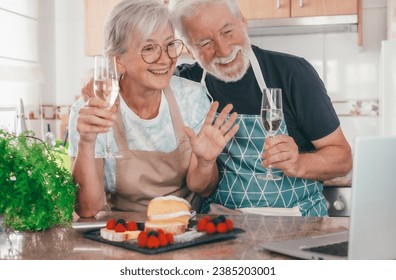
[(240, 163)]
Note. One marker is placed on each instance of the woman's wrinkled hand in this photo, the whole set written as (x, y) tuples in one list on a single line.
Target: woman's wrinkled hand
[(214, 134), (94, 118)]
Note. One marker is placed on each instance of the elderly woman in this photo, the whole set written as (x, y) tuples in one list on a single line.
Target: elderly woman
[(163, 127)]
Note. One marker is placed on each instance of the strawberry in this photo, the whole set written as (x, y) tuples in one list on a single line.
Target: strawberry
[(169, 236), (163, 240), (221, 228), (210, 228), (111, 223), (142, 239), (153, 242), (207, 218), (230, 224), (131, 225), (120, 228), (201, 225)]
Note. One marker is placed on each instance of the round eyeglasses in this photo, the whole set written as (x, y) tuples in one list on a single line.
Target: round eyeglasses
[(152, 53)]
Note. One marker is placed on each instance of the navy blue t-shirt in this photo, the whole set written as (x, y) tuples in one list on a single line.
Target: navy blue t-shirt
[(308, 111)]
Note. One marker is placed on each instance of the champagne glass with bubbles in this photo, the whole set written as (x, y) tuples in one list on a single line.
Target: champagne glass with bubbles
[(106, 85), (271, 117)]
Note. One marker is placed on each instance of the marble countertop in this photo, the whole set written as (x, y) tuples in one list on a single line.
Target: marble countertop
[(339, 182), (70, 244)]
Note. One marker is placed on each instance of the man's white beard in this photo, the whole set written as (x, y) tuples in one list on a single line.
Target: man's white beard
[(229, 74)]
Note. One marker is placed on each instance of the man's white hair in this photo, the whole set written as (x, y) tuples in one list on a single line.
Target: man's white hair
[(182, 9)]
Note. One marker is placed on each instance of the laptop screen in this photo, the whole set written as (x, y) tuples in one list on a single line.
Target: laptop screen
[(373, 209)]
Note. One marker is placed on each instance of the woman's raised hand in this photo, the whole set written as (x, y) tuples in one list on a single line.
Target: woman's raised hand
[(214, 134)]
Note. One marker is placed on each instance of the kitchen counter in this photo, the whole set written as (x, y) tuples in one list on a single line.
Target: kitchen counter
[(345, 181), (68, 243)]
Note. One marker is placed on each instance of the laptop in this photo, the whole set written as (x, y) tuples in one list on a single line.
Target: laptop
[(372, 225)]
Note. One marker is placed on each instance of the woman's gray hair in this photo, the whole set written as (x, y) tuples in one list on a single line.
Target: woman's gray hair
[(133, 21), (182, 9)]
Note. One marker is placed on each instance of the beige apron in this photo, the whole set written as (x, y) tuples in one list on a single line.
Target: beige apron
[(143, 175)]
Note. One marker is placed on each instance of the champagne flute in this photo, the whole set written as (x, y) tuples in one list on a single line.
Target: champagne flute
[(106, 85), (271, 117)]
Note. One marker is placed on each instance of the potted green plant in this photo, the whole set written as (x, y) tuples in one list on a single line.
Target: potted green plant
[(36, 191)]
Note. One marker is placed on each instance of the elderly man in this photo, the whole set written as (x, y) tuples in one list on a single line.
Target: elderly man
[(309, 146)]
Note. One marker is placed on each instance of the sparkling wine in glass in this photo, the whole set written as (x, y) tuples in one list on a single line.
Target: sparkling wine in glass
[(106, 85), (271, 117)]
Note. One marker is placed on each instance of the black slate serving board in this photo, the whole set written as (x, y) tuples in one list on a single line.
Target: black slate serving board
[(132, 244)]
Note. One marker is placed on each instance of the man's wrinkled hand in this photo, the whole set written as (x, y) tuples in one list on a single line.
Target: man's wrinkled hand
[(281, 151)]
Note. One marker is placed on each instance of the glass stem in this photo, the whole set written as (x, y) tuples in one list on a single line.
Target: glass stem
[(269, 168), (108, 152), (269, 171)]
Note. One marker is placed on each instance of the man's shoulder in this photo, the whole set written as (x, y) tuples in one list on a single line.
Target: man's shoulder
[(270, 55), (283, 62), (189, 71)]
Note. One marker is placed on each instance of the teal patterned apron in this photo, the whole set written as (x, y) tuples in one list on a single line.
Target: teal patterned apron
[(240, 163)]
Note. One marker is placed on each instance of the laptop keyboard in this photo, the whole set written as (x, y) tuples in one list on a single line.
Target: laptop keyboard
[(336, 249)]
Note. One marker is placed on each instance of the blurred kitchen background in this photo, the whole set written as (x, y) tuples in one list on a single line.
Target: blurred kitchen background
[(47, 47)]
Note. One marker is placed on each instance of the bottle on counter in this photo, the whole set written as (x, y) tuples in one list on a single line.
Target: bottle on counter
[(65, 136), (20, 124), (49, 137)]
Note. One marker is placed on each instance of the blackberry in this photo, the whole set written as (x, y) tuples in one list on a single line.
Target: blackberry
[(216, 221), (222, 218), (152, 232), (121, 221)]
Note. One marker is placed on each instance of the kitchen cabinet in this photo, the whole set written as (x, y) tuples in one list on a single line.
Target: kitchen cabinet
[(305, 8), (308, 8), (95, 13), (260, 9), (97, 10), (273, 13)]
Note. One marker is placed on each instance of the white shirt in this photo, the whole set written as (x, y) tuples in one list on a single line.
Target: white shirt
[(150, 135)]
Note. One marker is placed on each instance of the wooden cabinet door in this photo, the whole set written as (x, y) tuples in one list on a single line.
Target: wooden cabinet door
[(304, 8), (96, 12), (259, 9)]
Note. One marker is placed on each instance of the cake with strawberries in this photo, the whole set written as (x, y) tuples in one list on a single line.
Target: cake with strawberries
[(169, 213), (119, 230)]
